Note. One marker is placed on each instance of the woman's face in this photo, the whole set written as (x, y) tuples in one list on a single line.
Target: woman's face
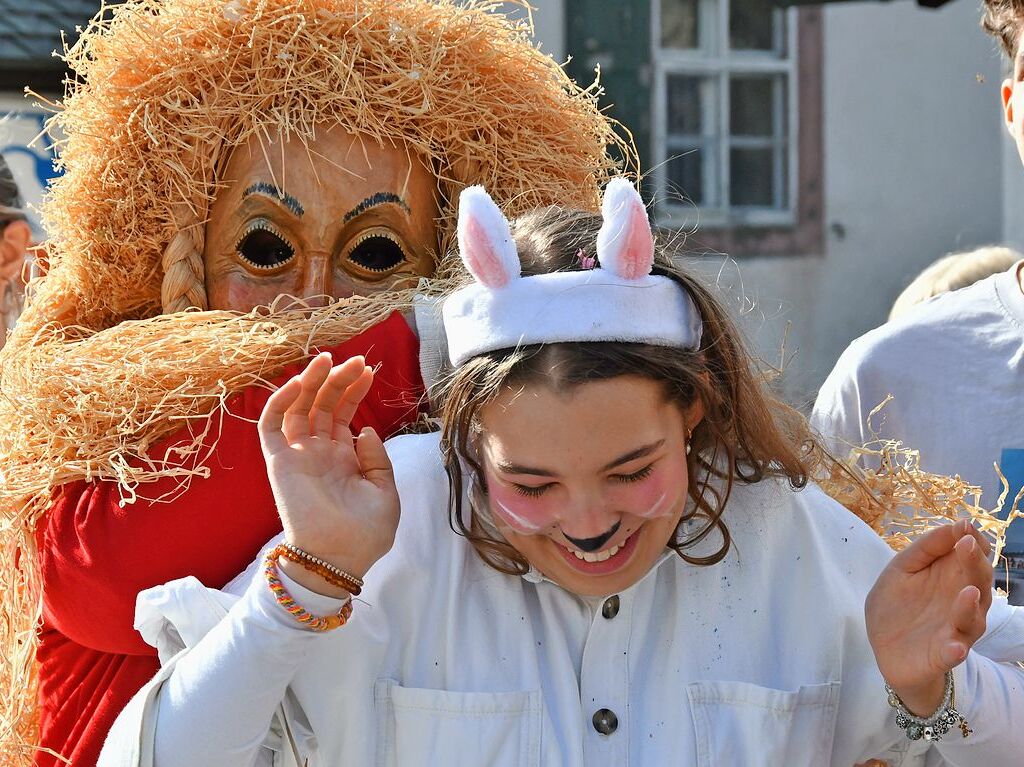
[(338, 216), (588, 484)]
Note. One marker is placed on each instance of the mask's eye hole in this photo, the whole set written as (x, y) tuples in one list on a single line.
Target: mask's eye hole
[(375, 254), (264, 248)]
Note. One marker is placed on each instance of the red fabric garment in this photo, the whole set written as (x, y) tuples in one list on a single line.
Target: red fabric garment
[(96, 556)]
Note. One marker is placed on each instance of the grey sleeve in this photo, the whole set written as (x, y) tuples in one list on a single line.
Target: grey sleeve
[(839, 414)]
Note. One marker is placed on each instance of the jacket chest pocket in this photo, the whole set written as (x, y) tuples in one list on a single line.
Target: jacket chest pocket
[(457, 729), (740, 723)]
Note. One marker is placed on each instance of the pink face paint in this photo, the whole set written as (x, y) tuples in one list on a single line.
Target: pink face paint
[(654, 496), (660, 508), (528, 516), (650, 498)]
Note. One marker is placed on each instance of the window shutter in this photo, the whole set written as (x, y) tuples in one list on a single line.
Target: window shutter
[(616, 36)]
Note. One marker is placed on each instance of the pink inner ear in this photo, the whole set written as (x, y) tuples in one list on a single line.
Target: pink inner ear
[(637, 255), (482, 259)]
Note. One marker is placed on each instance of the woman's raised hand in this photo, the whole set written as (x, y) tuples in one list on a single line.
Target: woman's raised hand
[(336, 496), (927, 609)]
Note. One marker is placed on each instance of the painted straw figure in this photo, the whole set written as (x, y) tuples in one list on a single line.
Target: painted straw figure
[(289, 167), (609, 554)]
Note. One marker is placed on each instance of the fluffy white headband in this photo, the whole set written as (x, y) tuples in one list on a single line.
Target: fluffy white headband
[(620, 301)]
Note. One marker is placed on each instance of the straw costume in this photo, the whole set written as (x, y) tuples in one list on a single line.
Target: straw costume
[(110, 380)]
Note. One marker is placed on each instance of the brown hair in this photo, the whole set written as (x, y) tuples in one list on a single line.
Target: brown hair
[(1003, 19), (746, 434)]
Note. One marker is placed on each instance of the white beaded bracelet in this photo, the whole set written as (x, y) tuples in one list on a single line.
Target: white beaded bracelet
[(932, 728)]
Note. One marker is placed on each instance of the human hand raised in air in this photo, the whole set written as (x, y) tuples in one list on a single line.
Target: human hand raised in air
[(336, 495), (927, 609)]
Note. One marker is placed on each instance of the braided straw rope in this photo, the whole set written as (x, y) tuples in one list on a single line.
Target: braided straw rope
[(183, 286)]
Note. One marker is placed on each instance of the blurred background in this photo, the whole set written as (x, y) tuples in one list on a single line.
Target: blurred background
[(830, 150), (817, 156)]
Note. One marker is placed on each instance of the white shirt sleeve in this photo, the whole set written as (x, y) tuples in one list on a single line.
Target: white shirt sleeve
[(990, 696), (216, 708)]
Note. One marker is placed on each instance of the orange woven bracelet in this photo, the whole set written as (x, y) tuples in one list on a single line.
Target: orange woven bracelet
[(325, 570), (299, 613)]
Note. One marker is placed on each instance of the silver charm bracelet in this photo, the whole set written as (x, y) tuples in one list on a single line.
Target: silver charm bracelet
[(945, 718)]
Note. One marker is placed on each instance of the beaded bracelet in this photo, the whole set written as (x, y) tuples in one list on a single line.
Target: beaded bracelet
[(299, 613), (333, 575), (935, 726)]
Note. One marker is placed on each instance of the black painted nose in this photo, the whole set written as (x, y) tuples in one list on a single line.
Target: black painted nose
[(593, 544)]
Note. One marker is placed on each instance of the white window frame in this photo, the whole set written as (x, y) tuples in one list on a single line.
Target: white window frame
[(718, 61)]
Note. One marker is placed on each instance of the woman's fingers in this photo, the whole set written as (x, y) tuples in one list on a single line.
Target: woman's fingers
[(983, 541), (346, 408), (374, 463), (967, 614), (272, 417), (320, 401), (296, 420), (952, 654), (331, 393), (939, 542), (977, 568), (927, 548)]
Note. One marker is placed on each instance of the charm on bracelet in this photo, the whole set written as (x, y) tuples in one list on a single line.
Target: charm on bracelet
[(931, 728)]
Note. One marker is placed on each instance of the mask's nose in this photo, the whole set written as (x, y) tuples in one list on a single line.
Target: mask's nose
[(316, 282), (595, 543)]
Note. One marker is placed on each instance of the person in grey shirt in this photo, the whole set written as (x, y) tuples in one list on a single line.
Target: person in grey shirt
[(954, 364)]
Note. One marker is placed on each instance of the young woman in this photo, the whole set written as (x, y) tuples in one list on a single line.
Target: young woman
[(610, 554)]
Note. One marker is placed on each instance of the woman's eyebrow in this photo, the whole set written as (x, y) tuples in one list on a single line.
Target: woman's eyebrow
[(513, 468), (632, 455), (270, 191), (378, 198)]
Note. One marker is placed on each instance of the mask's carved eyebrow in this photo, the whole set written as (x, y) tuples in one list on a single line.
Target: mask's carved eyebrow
[(379, 198), (269, 190), (511, 468)]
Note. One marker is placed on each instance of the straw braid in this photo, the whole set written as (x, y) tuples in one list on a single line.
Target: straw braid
[(184, 285)]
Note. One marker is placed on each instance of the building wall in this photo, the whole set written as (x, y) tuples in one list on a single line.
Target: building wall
[(913, 169), (1013, 194)]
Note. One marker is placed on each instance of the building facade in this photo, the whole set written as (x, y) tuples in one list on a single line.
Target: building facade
[(816, 158)]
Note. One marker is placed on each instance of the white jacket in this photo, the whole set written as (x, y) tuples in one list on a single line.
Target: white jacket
[(761, 659)]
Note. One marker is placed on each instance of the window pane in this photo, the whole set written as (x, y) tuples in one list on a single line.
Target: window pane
[(685, 171), (679, 19), (751, 177), (752, 105), (754, 25), (685, 106)]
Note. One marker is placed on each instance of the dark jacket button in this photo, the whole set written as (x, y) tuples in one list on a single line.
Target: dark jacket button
[(610, 608), (605, 721)]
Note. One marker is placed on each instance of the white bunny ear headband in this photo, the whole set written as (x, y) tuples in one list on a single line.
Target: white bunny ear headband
[(620, 301)]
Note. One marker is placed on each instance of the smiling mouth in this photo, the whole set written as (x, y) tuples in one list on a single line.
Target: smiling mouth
[(597, 556), (598, 562)]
